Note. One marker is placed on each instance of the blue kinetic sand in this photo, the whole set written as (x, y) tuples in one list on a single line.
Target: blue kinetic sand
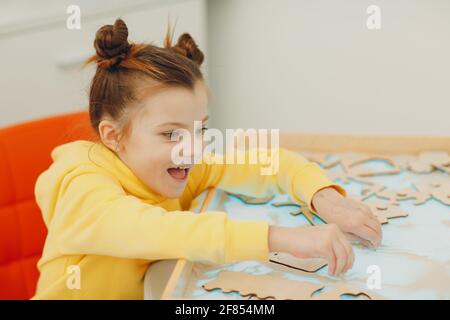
[(414, 259)]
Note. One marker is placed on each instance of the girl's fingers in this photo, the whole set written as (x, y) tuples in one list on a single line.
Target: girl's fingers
[(374, 222), (354, 238), (367, 212), (375, 225), (350, 254), (367, 244), (368, 234), (331, 263), (341, 257)]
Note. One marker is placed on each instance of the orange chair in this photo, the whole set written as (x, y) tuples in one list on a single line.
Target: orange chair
[(24, 154)]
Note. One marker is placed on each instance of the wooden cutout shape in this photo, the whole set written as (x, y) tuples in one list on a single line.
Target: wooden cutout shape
[(436, 187), (394, 196), (424, 162), (262, 286), (317, 157), (385, 211), (308, 215), (349, 162), (251, 200), (300, 210), (404, 160), (350, 166), (346, 176), (321, 159), (338, 176), (442, 195), (409, 193), (420, 166), (371, 190), (444, 167), (342, 289), (286, 204), (288, 260), (428, 161)]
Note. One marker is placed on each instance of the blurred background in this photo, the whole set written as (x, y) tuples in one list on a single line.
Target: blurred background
[(298, 65)]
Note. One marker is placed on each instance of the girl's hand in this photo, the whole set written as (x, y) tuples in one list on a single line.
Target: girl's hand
[(324, 241), (352, 216)]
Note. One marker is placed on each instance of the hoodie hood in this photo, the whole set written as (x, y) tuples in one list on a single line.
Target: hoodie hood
[(88, 157)]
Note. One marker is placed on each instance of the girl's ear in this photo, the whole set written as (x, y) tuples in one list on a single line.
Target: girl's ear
[(109, 134)]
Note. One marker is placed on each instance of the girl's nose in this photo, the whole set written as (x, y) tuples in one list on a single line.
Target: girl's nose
[(192, 150)]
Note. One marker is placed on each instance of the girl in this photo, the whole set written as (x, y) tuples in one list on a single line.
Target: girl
[(114, 206)]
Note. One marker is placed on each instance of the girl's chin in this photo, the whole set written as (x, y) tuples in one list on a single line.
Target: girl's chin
[(171, 187), (174, 188), (173, 193)]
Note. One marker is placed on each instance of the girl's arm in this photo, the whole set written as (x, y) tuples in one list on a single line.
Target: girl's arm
[(96, 216), (296, 176), (304, 181)]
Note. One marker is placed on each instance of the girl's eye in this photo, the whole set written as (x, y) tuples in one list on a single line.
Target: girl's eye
[(172, 135), (203, 130)]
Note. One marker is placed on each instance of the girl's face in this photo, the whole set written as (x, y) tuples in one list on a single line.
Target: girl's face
[(147, 147)]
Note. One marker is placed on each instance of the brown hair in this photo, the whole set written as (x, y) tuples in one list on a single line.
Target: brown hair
[(120, 64)]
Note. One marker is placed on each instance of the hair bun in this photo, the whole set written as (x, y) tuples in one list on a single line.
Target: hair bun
[(187, 47), (111, 41)]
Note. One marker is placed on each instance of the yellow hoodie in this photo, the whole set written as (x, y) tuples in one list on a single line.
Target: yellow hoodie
[(110, 226)]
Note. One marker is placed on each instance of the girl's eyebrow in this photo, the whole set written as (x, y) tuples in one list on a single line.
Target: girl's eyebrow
[(178, 124)]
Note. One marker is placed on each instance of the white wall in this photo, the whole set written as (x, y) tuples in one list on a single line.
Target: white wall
[(298, 65), (40, 58), (313, 66)]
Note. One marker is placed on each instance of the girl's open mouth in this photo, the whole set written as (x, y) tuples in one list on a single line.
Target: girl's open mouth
[(179, 173)]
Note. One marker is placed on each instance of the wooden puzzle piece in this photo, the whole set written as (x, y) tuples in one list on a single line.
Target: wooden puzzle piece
[(428, 161), (394, 196), (425, 162), (437, 187), (444, 167), (321, 159), (288, 260), (300, 210), (262, 286), (420, 166), (308, 215), (350, 165), (345, 177), (334, 176), (349, 162), (385, 211), (371, 190), (409, 193), (404, 160), (341, 289), (316, 157), (442, 195), (390, 195), (286, 204), (274, 287), (251, 200)]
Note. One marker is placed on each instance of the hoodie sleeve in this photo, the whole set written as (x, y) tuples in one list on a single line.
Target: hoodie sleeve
[(281, 171), (96, 216)]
